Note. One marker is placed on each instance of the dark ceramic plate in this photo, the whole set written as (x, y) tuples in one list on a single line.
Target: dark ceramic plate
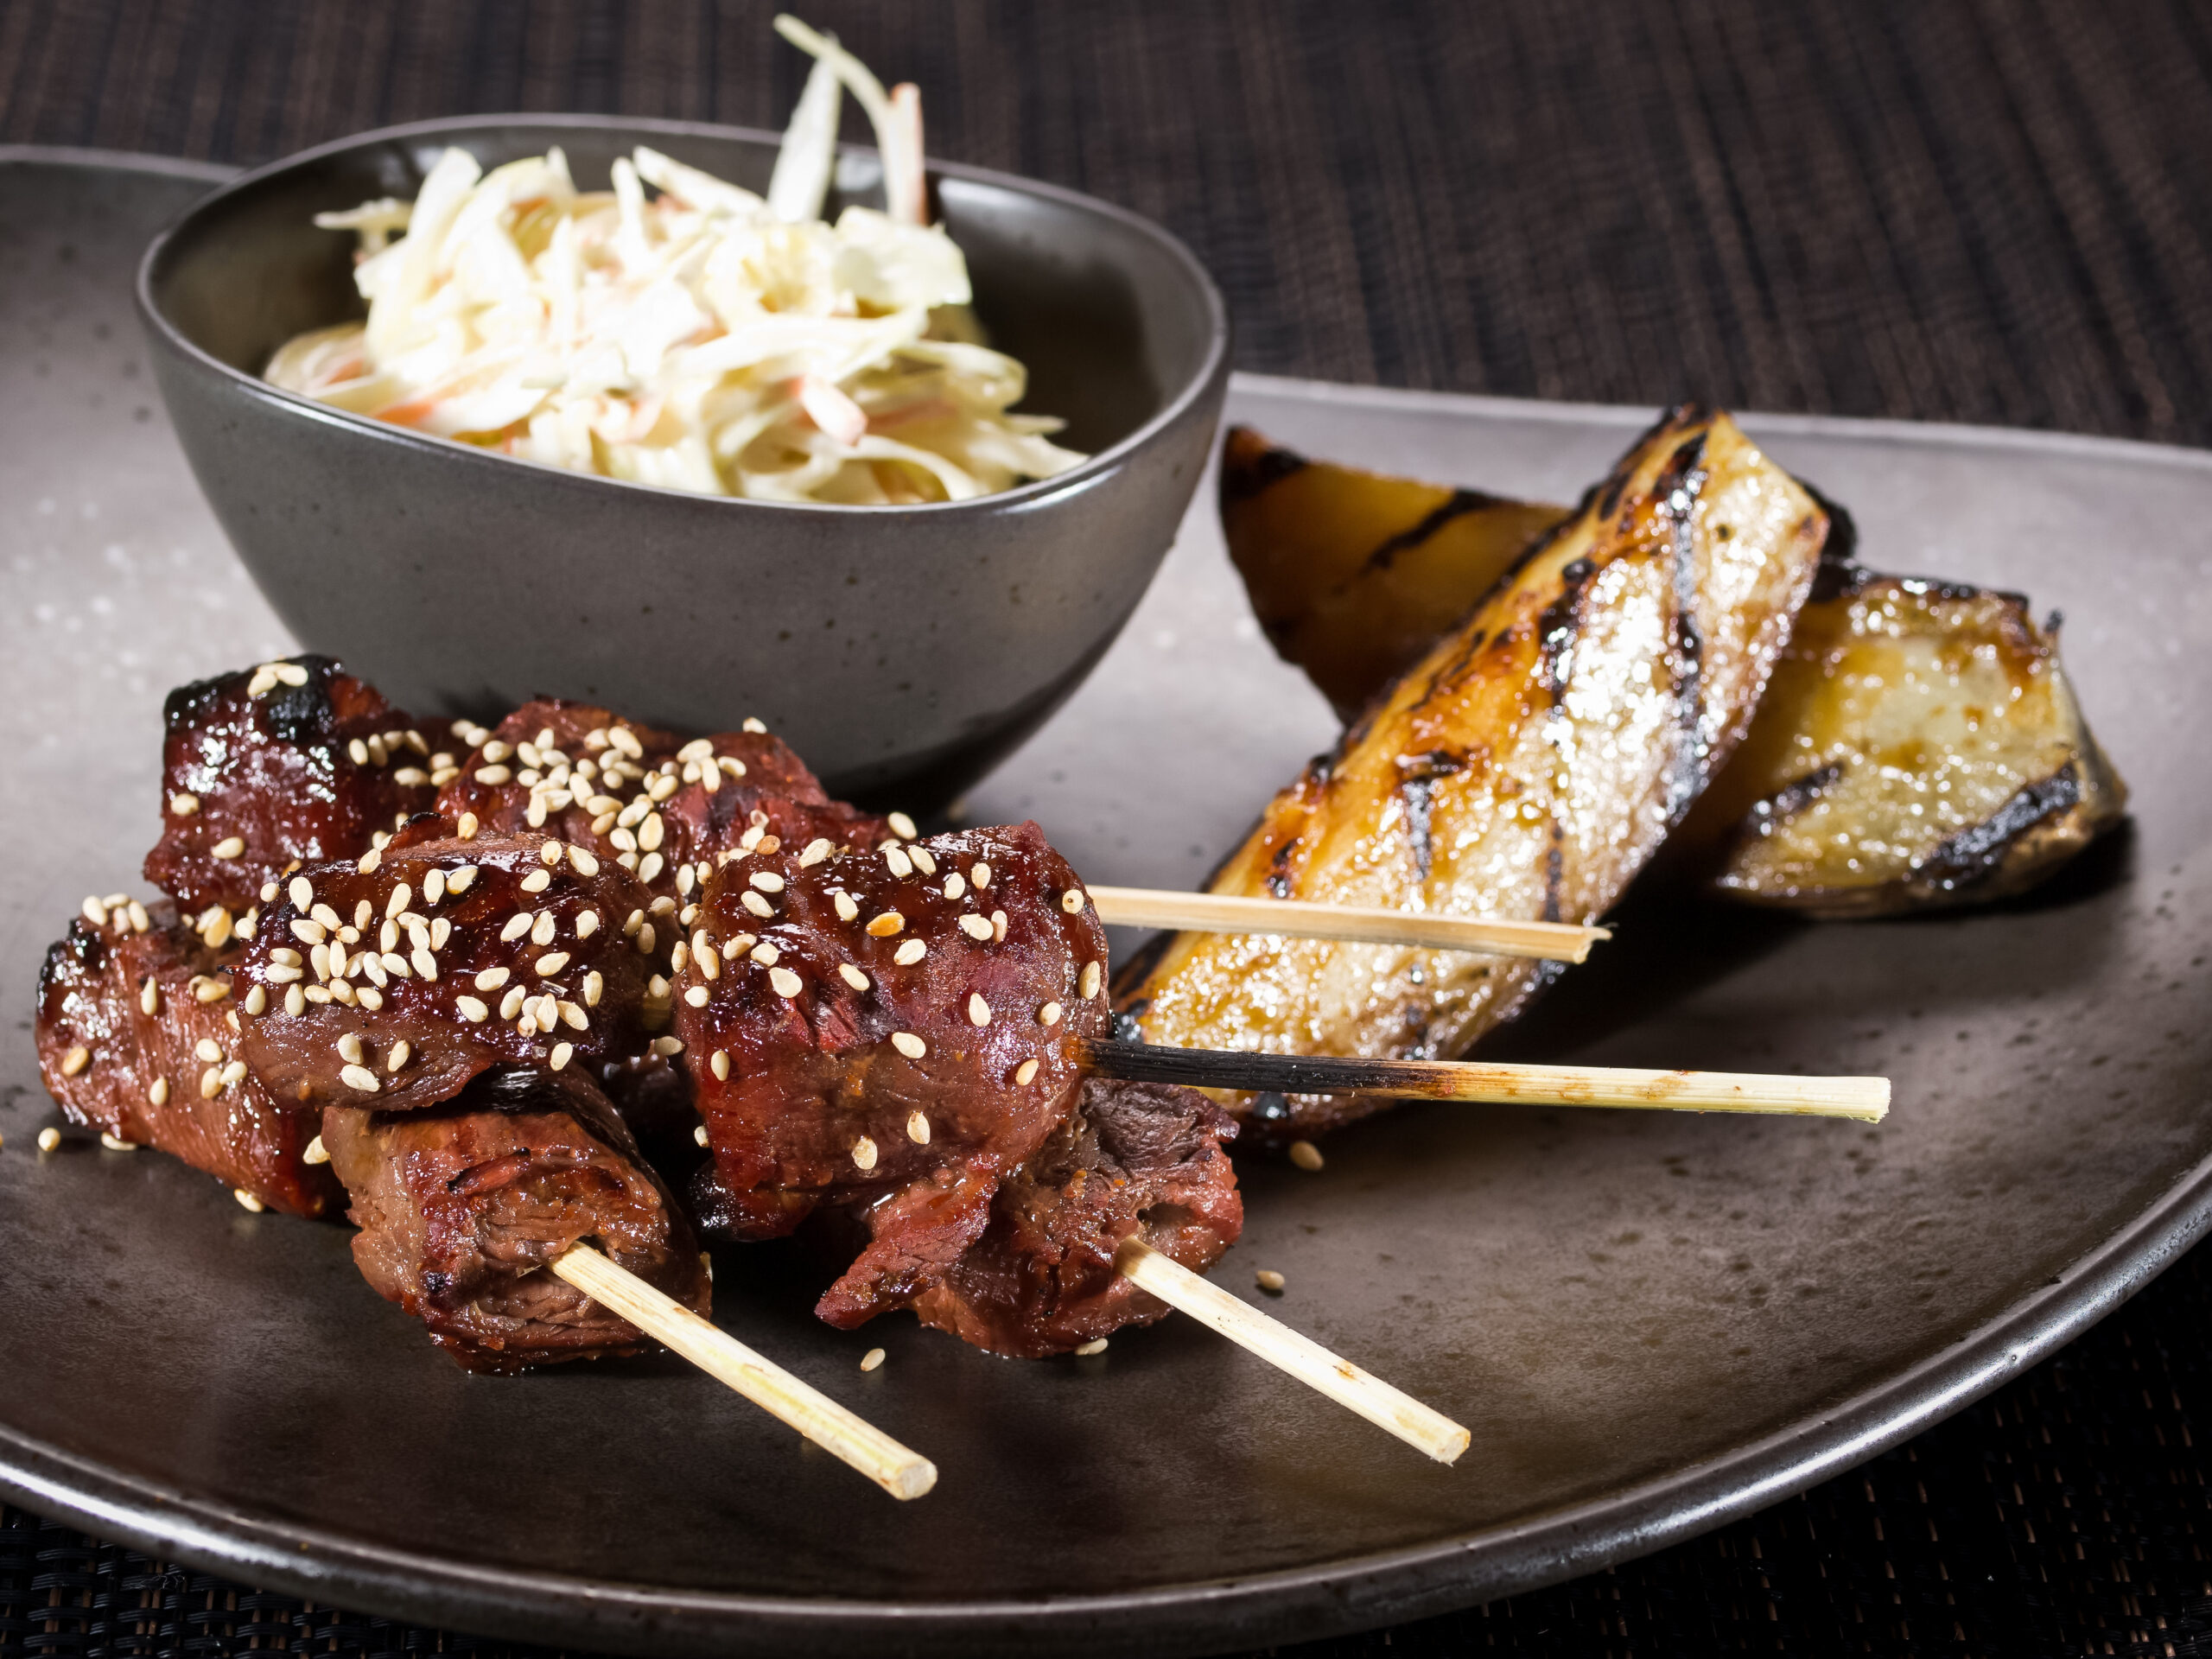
[(1649, 1322)]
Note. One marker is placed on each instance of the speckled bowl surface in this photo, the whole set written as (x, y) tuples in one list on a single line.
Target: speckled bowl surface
[(903, 650)]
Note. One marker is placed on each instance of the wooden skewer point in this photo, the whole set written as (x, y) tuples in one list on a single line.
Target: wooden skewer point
[(1215, 913), (1866, 1099), (901, 1472), (1430, 1432)]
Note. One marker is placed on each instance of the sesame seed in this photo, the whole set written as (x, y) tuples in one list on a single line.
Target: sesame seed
[(290, 673), (1267, 1278), (467, 828), (301, 892), (246, 1200), (636, 920), (644, 940), (954, 887), (719, 1066), (458, 881), (309, 932), (582, 861), (76, 1060), (536, 881), (48, 1139), (184, 803), (210, 1083), (257, 1001), (317, 1153), (402, 896), (349, 1048), (895, 856), (767, 881), (551, 963), (472, 1009), (367, 862), (679, 958), (546, 1010), (884, 926), (1093, 976), (1096, 1346), (149, 996), (998, 925), (159, 1094), (766, 954), (784, 983), (976, 927), (697, 995), (626, 741), (327, 917), (902, 826), (425, 965), (207, 1049), (1049, 1014), (871, 1359), (511, 1004), (1025, 1071), (398, 1057), (699, 1133), (360, 1078), (140, 921), (593, 986), (909, 1044), (852, 976), (587, 924), (650, 866), (846, 910), (668, 1046), (651, 832), (541, 931), (495, 750), (663, 905), (918, 1128), (1306, 1156), (261, 684), (753, 902), (863, 1153), (752, 725), (493, 774), (910, 953), (441, 931), (562, 1054), (817, 851), (434, 885), (233, 1074), (228, 846), (979, 1011), (295, 1000), (1072, 901)]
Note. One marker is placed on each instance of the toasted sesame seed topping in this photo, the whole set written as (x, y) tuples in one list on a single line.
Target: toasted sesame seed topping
[(852, 976), (1093, 976), (753, 725), (587, 924), (644, 940), (697, 995), (149, 996), (541, 930), (846, 910), (625, 740), (401, 1051), (784, 982), (246, 1200), (1096, 1346), (925, 860), (367, 862), (1306, 1156), (232, 1074), (650, 866), (663, 905), (562, 1054), (582, 861), (360, 1078), (593, 986), (207, 1049), (493, 774), (979, 1011), (817, 851), (884, 926), (1049, 1014), (301, 892), (902, 826), (228, 846), (1072, 901), (918, 1128), (1025, 1071), (954, 887), (864, 1153), (909, 1044), (95, 911), (309, 932), (871, 1359), (998, 925), (114, 1143), (679, 958), (48, 1138), (910, 953), (467, 828), (536, 881), (766, 954), (140, 921), (295, 1000), (317, 1153), (668, 1046), (767, 881), (349, 1048), (895, 856), (753, 902), (256, 1000), (76, 1060), (472, 1009), (159, 1094), (518, 925), (511, 1004), (551, 963), (976, 927), (184, 803)]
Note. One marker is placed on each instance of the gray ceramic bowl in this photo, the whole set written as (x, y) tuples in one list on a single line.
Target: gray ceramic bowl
[(903, 650)]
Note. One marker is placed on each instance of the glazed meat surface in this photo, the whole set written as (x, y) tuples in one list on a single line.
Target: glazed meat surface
[(888, 1029), (461, 1206), (645, 799), (294, 761), (394, 985), (129, 1047), (1133, 1158), (1527, 768)]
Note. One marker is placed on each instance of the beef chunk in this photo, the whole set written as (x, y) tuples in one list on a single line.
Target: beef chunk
[(889, 1029), (128, 1047), (461, 1206), (394, 984), (646, 798), (1134, 1158), (295, 762)]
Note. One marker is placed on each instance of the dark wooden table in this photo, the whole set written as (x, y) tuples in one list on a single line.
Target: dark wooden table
[(1943, 211)]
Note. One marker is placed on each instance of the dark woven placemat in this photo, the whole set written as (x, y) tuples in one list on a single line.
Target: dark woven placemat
[(1936, 210)]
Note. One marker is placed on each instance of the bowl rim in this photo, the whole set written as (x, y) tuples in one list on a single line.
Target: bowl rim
[(1180, 402)]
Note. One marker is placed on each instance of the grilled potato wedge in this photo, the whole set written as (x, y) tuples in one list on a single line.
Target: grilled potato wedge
[(1355, 575), (1920, 746), (1527, 766)]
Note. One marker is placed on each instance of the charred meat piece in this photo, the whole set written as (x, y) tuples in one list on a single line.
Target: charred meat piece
[(1133, 1158), (291, 762), (887, 1029), (1920, 746), (138, 1037), (645, 799), (1528, 768), (393, 981), (460, 1206)]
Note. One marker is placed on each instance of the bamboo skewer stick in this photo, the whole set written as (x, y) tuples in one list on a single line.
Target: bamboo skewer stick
[(1866, 1099), (1216, 913), (901, 1472), (1427, 1431)]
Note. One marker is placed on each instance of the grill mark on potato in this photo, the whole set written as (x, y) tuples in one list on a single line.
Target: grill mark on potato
[(1554, 869), (1790, 799), (1676, 490), (1460, 503), (1416, 782), (1973, 854)]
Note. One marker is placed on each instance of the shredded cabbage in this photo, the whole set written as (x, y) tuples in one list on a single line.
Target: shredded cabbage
[(678, 330)]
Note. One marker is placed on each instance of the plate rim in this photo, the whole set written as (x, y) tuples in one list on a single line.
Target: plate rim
[(1195, 1615)]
